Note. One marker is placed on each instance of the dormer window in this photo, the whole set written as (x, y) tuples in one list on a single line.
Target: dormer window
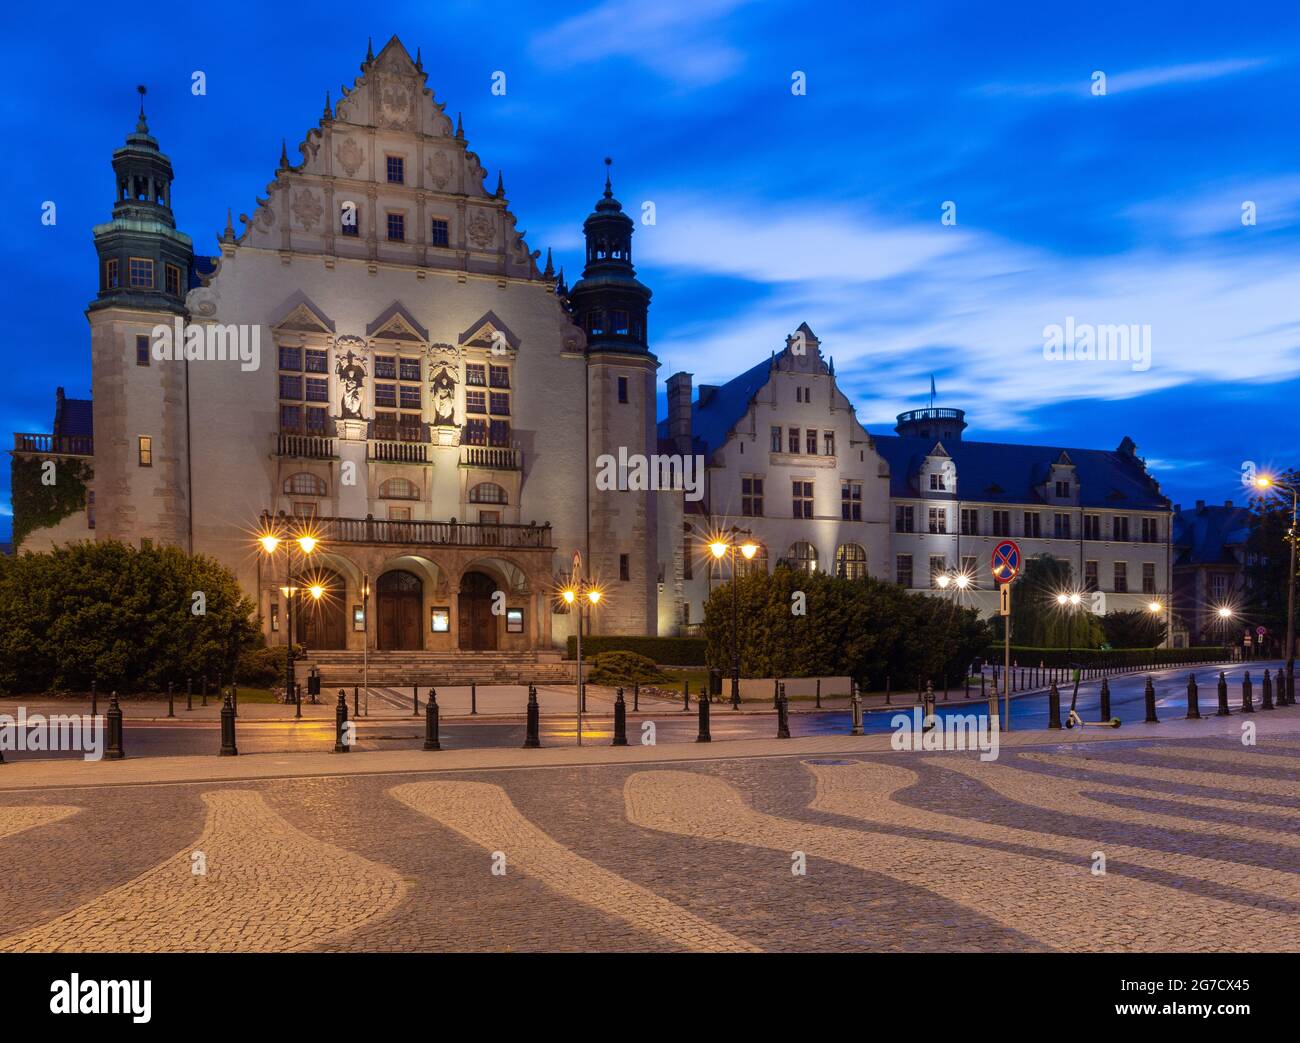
[(937, 482), (1063, 490)]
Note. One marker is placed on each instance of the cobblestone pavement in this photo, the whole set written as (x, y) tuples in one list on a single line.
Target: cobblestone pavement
[(899, 852)]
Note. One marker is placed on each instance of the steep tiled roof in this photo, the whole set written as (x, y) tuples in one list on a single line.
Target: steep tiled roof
[(723, 407), (1204, 535)]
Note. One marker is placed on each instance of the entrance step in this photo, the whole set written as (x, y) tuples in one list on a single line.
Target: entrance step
[(346, 667)]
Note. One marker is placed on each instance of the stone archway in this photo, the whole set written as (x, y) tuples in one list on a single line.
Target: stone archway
[(476, 625), (400, 604)]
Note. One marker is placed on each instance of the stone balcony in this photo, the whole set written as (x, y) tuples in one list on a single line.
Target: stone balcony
[(304, 447), (54, 445), (432, 533), (492, 458)]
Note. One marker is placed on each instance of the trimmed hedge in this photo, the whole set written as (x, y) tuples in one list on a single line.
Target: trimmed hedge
[(1115, 658), (668, 651)]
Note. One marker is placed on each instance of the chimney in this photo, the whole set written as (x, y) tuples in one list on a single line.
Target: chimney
[(679, 412)]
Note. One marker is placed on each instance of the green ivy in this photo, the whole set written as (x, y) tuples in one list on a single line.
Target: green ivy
[(39, 506)]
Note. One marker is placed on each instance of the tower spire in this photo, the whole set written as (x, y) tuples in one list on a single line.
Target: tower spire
[(142, 127), (609, 188)]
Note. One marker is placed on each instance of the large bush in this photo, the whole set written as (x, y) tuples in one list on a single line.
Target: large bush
[(862, 628), (671, 651), (615, 668), (119, 616)]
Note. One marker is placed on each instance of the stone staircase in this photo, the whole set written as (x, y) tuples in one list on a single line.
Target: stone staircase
[(400, 669)]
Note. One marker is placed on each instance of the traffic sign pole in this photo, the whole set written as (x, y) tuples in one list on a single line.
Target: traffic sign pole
[(1006, 567)]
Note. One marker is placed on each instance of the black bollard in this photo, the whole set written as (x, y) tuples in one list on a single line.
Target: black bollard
[(782, 715), (1290, 684), (620, 719), (94, 701), (1150, 693), (686, 696), (234, 695), (1054, 707), (704, 735), (228, 747), (431, 721), (1223, 696), (888, 682), (1267, 702), (189, 693), (776, 692), (340, 722), (205, 690), (113, 722), (532, 740), (473, 698), (819, 693), (1193, 701), (415, 700), (1247, 691), (636, 696), (356, 700), (171, 703)]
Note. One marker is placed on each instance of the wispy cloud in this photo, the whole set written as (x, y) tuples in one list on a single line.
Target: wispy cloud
[(1120, 82)]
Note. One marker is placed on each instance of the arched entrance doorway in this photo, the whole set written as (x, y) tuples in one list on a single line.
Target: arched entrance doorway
[(475, 621), (401, 602), (321, 622)]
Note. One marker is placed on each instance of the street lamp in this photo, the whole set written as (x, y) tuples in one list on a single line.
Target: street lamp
[(720, 548), (1069, 601), (270, 540), (1264, 483), (585, 595)]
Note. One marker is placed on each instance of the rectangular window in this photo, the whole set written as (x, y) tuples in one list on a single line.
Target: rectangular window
[(396, 170), (408, 369), (145, 449), (317, 361), (829, 443), (1092, 526), (475, 432), (1219, 587), (751, 497), (499, 403), (1148, 577), (938, 519), (1090, 580), (1119, 529), (514, 621), (499, 376), (938, 566), (1061, 526), (1033, 527), (172, 277), (142, 350), (476, 402), (1062, 490), (439, 234), (622, 389), (812, 441), (399, 513), (904, 519), (803, 498), (937, 483), (794, 440), (903, 570), (318, 389), (90, 508), (315, 420), (111, 276), (970, 521), (140, 273), (1121, 577), (291, 358), (851, 501), (970, 568), (386, 367), (1150, 530), (349, 220), (476, 375), (290, 417), (1001, 523), (688, 555), (409, 397), (624, 567), (619, 322), (776, 439), (499, 433), (386, 395), (397, 228), (290, 386)]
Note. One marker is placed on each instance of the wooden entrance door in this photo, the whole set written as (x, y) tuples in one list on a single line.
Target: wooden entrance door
[(401, 602), (476, 623), (321, 622)]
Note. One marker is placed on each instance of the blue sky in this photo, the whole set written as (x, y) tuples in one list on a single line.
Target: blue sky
[(772, 209)]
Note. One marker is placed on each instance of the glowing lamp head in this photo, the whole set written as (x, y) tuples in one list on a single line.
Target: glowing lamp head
[(593, 596), (943, 582), (749, 549), (1263, 482), (316, 591), (1225, 612), (1062, 599), (1154, 606), (963, 582), (269, 543), (308, 543), (718, 548), (568, 595), (1075, 599)]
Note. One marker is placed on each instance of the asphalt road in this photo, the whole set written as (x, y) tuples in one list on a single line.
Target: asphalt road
[(157, 739)]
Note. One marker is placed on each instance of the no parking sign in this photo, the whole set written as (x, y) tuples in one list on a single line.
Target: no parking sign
[(1006, 561)]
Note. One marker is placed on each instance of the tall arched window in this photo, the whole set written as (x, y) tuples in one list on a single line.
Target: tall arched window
[(399, 489), (850, 561), (304, 484), (487, 492), (803, 556)]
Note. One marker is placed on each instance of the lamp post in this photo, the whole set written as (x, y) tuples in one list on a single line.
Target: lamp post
[(365, 638), (270, 541), (721, 548), (1069, 601), (1225, 620), (955, 583), (1266, 482), (584, 595)]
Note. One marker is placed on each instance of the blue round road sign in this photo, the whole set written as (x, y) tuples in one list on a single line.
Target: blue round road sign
[(1006, 561)]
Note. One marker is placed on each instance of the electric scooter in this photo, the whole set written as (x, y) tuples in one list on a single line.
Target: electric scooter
[(1074, 719)]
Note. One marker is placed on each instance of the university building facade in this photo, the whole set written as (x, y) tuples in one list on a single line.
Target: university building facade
[(376, 359)]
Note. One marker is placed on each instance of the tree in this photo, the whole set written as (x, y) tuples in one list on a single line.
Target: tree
[(1268, 555), (1133, 629), (1037, 620), (117, 615)]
